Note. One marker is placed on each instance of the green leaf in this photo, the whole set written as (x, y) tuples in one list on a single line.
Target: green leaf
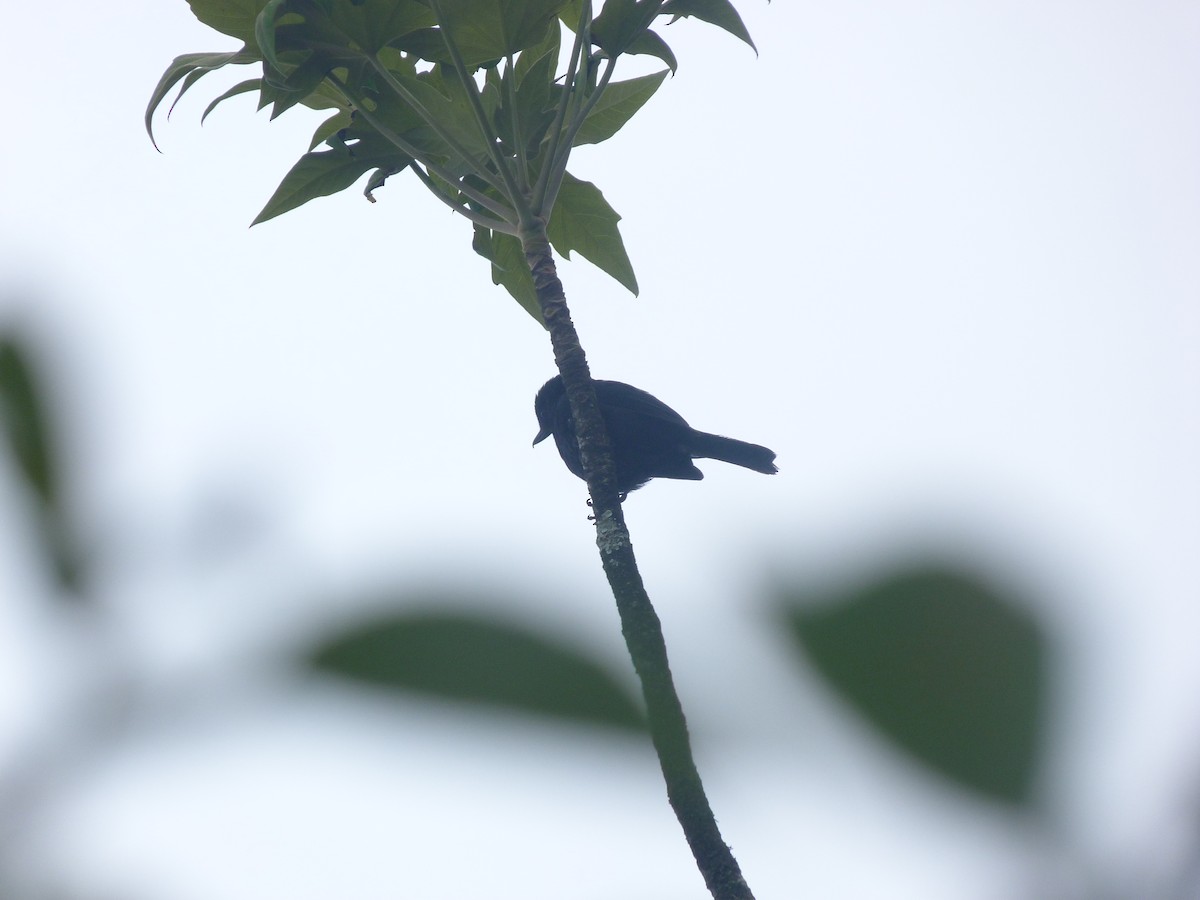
[(242, 87), (321, 173), (232, 17), (622, 22), (616, 106), (550, 44), (716, 12), (264, 31), (426, 44), (377, 179), (648, 43), (299, 84), (485, 30), (458, 113), (509, 268), (373, 24), (949, 669), (468, 658), (189, 68), (582, 220), (340, 120), (533, 106)]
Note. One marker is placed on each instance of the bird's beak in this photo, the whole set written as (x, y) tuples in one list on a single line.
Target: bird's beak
[(541, 436)]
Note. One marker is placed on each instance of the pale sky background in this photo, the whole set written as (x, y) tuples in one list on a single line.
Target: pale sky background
[(942, 257)]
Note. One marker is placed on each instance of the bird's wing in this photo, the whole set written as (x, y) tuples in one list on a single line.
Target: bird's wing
[(620, 396)]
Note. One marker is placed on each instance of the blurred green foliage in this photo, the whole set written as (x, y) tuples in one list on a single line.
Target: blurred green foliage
[(472, 658), (945, 665), (25, 422)]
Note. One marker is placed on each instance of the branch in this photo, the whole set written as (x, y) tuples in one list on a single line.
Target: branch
[(639, 622)]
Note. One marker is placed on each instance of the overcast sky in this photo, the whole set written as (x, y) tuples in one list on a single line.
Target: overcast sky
[(941, 257)]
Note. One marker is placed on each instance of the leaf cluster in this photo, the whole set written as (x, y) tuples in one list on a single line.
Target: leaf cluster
[(480, 99)]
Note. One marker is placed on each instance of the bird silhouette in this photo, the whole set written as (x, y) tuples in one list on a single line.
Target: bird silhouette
[(649, 439)]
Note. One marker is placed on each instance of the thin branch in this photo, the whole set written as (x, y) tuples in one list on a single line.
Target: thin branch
[(640, 624)]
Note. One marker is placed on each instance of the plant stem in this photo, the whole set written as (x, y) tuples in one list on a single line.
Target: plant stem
[(578, 58), (640, 624), (486, 131), (560, 164)]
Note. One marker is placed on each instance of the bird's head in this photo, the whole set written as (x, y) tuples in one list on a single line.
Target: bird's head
[(544, 404)]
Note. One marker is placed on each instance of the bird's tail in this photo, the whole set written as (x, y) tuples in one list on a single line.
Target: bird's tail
[(740, 453)]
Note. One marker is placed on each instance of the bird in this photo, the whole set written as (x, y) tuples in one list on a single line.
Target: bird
[(648, 438)]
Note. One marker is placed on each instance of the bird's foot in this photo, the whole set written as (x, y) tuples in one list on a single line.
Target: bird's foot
[(620, 499)]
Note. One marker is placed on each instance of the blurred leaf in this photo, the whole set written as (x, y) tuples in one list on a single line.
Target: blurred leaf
[(947, 668), (24, 417), (22, 405), (463, 657)]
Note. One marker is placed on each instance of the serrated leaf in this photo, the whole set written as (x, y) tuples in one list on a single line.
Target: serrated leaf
[(616, 106), (426, 44), (468, 658), (232, 17), (484, 30), (582, 220), (264, 31), (319, 174), (550, 44), (533, 106), (621, 23), (945, 666), (331, 126), (189, 68), (444, 96), (242, 87), (299, 84), (716, 12), (373, 24), (648, 43)]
